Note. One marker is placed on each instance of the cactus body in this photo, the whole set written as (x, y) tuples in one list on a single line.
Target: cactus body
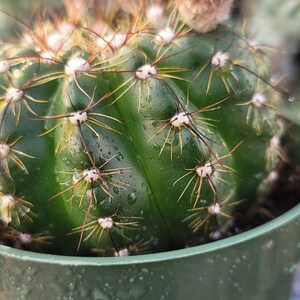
[(132, 141)]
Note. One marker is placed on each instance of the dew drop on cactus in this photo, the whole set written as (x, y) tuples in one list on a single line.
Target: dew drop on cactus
[(129, 132)]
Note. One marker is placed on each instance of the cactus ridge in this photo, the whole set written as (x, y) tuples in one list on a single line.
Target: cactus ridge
[(131, 136)]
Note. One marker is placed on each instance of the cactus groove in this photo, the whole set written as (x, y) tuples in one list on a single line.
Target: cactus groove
[(134, 136)]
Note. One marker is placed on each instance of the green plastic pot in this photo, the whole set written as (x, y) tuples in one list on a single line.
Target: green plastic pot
[(258, 264)]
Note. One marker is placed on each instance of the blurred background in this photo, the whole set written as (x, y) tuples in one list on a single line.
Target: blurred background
[(23, 10)]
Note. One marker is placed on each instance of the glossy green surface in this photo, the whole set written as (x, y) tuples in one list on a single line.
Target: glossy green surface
[(128, 139)]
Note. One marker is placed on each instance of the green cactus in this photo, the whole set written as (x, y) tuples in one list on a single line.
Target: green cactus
[(131, 136)]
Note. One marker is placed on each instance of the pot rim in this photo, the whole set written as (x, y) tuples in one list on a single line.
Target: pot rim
[(273, 225)]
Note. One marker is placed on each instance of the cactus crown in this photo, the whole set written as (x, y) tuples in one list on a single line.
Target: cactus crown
[(132, 129)]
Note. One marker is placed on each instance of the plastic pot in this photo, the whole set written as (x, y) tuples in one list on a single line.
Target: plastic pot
[(258, 264)]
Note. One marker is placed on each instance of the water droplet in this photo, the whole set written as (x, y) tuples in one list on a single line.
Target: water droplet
[(238, 260), (155, 123), (116, 190), (99, 295), (259, 176), (24, 290), (120, 156), (68, 272), (156, 146), (137, 292), (24, 210), (73, 152), (291, 99), (132, 198), (72, 286), (18, 74), (32, 271), (269, 245), (106, 202)]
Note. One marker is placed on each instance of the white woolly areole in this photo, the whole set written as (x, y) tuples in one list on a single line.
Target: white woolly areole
[(14, 94), (122, 252), (165, 36), (106, 223), (180, 119), (145, 72), (220, 59), (204, 171), (57, 41), (118, 40), (25, 238), (78, 117), (4, 66), (155, 13), (4, 150), (100, 26), (66, 28), (7, 201), (60, 39), (28, 39), (91, 174), (214, 209), (253, 43), (275, 142), (258, 100), (102, 43), (77, 64), (273, 176)]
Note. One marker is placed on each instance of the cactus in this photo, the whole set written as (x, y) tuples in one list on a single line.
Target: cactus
[(130, 132)]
